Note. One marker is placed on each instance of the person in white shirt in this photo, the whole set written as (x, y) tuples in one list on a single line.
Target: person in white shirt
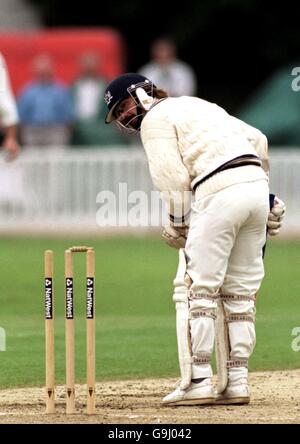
[(195, 147), (89, 110), (8, 112), (88, 88), (166, 70)]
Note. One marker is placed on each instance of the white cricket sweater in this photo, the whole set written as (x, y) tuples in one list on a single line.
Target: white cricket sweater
[(186, 138)]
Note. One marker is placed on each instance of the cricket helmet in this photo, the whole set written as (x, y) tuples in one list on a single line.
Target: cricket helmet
[(122, 87)]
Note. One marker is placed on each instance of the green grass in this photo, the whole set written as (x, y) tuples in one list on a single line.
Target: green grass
[(278, 308), (135, 313)]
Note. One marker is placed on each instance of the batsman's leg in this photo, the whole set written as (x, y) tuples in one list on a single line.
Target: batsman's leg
[(207, 250), (240, 340), (237, 295), (190, 359)]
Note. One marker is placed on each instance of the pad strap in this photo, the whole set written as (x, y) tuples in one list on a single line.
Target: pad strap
[(237, 362), (240, 317), (195, 314), (201, 358), (210, 297), (236, 297)]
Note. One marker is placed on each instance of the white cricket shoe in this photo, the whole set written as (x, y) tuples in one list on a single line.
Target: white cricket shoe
[(236, 392), (195, 394)]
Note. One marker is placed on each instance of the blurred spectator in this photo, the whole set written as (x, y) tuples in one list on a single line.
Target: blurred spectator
[(89, 88), (87, 92), (168, 72), (275, 108), (45, 107), (8, 113)]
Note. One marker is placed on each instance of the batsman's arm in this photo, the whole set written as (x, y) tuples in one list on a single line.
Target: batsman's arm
[(169, 174)]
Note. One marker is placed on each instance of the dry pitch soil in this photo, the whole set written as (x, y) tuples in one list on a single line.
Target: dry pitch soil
[(275, 399)]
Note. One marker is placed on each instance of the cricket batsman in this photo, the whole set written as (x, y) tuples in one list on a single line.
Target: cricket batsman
[(196, 148)]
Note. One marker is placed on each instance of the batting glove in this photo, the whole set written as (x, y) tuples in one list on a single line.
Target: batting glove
[(175, 236), (276, 216)]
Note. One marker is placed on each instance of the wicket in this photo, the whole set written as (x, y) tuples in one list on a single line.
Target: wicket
[(69, 330)]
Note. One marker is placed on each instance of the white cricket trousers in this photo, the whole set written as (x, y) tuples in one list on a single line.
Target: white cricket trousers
[(224, 256)]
